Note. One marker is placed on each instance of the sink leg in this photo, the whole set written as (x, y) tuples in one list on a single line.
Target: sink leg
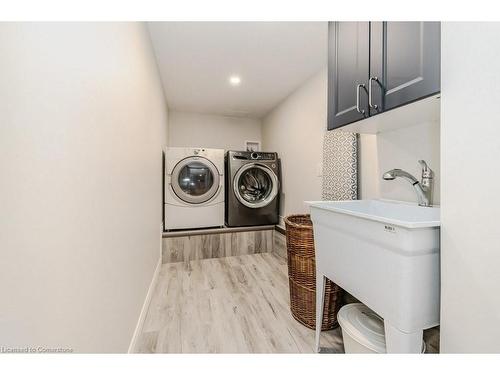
[(320, 304), (397, 341)]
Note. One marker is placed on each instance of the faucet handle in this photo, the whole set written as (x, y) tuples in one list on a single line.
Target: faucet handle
[(426, 171)]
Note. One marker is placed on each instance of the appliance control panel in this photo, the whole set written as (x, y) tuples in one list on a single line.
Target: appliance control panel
[(198, 151), (254, 155)]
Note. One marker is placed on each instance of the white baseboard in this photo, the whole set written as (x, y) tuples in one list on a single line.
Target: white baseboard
[(145, 307)]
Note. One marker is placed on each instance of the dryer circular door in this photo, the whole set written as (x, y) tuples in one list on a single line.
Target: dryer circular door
[(195, 180), (255, 185)]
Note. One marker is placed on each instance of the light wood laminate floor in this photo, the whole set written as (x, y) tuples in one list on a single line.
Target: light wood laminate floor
[(235, 304)]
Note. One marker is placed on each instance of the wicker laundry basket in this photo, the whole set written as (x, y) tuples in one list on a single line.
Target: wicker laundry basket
[(302, 276)]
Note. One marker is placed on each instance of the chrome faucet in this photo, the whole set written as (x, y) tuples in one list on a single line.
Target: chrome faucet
[(423, 189)]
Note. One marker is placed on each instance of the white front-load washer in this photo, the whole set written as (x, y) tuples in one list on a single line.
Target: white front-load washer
[(194, 188)]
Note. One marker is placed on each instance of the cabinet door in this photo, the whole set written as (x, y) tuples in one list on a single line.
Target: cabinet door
[(348, 66), (406, 58)]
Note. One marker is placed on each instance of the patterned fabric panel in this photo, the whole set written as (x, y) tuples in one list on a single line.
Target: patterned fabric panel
[(340, 166)]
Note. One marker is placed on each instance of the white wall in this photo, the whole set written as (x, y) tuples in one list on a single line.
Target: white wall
[(82, 125), (402, 148), (188, 129), (295, 129), (369, 169), (470, 236)]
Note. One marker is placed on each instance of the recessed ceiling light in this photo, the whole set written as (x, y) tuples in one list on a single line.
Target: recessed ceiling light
[(235, 80)]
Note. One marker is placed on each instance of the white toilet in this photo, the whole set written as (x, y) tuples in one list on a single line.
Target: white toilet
[(362, 330)]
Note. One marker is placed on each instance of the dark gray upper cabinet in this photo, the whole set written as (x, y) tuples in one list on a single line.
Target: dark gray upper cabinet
[(403, 66), (405, 57), (348, 67)]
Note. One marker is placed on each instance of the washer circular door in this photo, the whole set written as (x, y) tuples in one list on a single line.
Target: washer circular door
[(255, 185), (195, 180)]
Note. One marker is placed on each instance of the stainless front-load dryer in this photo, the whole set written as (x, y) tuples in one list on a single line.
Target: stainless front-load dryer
[(252, 188)]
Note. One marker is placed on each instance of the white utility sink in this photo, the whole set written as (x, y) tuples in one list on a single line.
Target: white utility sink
[(386, 254)]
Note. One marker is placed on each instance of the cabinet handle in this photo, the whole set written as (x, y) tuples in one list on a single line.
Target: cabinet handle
[(362, 111), (373, 106)]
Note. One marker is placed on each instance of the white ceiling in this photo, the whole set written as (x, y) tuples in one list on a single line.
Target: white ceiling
[(272, 58)]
